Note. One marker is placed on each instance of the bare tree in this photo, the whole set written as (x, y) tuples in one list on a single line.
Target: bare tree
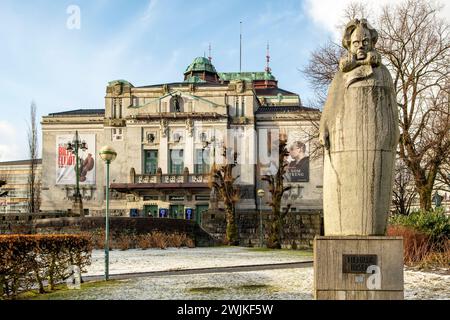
[(403, 189), (33, 183), (223, 182), (2, 183), (321, 68), (324, 61), (415, 45), (277, 189)]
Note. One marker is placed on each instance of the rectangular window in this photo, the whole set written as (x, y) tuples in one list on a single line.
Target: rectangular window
[(242, 106), (116, 134), (150, 161), (201, 161), (116, 108), (269, 142), (176, 162), (236, 107)]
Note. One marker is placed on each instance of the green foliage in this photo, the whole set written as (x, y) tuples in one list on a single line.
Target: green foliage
[(435, 224)]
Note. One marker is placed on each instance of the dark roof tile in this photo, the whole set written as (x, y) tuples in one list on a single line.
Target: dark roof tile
[(284, 109), (79, 112)]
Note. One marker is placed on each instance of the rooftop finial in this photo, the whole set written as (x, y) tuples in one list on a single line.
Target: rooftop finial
[(268, 70), (210, 57)]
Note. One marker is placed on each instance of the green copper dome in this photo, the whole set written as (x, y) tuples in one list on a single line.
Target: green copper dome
[(200, 64)]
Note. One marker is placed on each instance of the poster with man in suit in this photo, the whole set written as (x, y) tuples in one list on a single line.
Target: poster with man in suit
[(298, 162)]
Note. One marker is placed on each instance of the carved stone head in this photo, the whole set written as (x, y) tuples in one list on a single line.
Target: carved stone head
[(240, 86), (117, 89), (359, 38)]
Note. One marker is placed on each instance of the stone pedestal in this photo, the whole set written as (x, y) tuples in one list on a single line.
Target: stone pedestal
[(341, 266), (77, 207)]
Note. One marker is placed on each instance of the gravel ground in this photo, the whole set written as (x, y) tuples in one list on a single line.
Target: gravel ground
[(181, 259), (287, 284)]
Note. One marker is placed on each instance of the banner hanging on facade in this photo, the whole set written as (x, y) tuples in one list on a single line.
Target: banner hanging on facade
[(65, 161), (298, 160)]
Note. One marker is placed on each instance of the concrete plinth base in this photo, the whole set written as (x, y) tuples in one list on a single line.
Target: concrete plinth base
[(77, 207), (358, 268)]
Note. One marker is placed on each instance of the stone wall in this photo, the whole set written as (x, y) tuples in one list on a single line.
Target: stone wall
[(118, 225), (300, 227)]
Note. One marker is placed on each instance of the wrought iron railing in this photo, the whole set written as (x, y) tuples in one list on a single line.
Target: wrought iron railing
[(171, 178)]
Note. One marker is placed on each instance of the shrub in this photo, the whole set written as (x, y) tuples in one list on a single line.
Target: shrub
[(26, 260), (159, 240), (124, 242), (127, 240), (425, 237), (419, 248), (144, 241), (435, 224)]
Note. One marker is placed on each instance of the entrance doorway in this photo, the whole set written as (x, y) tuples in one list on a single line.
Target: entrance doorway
[(198, 212), (176, 212), (151, 211)]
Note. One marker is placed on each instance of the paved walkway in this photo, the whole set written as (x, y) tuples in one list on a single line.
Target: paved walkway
[(247, 268)]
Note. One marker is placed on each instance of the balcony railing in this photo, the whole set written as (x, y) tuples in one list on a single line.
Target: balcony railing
[(171, 178)]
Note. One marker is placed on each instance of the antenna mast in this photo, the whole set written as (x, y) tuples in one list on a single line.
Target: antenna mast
[(268, 70), (240, 48), (210, 57)]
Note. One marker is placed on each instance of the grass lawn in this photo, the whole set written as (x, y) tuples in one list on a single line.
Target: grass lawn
[(300, 253), (62, 292)]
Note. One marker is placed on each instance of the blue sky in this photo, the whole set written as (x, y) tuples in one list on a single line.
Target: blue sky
[(144, 42)]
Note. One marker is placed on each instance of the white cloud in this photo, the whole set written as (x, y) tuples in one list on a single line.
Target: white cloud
[(328, 14), (149, 12), (9, 147)]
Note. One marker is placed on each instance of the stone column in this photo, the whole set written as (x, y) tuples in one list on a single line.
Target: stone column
[(189, 148), (163, 154)]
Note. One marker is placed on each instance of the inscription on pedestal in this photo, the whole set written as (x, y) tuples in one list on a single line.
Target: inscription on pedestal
[(358, 263)]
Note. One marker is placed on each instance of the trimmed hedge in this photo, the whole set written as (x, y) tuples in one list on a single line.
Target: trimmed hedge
[(26, 261)]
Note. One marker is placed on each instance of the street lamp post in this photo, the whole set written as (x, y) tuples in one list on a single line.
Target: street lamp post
[(74, 146), (261, 194), (108, 154), (206, 144)]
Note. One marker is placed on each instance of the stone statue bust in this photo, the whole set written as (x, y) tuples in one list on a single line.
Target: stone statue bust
[(359, 130), (117, 89)]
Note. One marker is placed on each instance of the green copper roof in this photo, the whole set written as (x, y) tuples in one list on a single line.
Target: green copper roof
[(246, 76), (125, 82), (201, 64), (194, 79)]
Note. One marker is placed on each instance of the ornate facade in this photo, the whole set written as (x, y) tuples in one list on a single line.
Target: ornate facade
[(168, 136)]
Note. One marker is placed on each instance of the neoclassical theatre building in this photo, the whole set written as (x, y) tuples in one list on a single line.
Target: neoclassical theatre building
[(167, 137)]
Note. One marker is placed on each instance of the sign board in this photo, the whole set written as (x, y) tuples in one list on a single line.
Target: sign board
[(358, 263), (66, 162), (189, 213), (163, 213), (176, 198)]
